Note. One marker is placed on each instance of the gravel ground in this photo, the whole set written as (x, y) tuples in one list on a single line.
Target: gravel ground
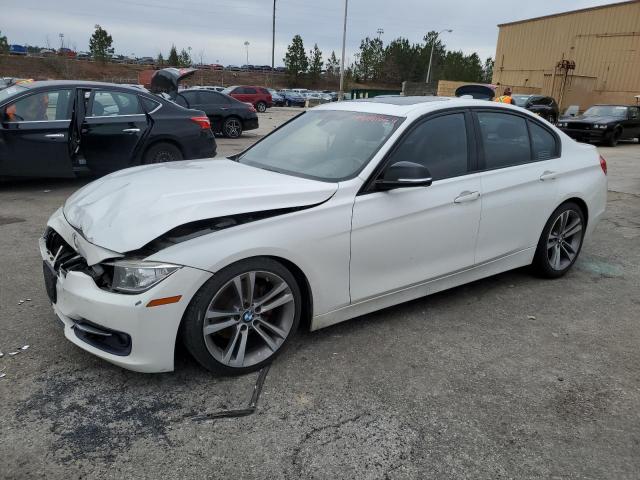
[(508, 377)]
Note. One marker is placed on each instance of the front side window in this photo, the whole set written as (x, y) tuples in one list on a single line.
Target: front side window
[(505, 139), (440, 144), (325, 145), (111, 104), (634, 113), (40, 107)]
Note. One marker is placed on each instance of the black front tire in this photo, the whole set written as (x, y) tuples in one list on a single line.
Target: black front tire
[(613, 138), (541, 262), (191, 330), (162, 152)]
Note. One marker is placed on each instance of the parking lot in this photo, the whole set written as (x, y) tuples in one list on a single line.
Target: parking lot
[(508, 377)]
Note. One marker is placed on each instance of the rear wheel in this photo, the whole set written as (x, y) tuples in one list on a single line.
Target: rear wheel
[(232, 127), (261, 107), (243, 316), (560, 242), (162, 152)]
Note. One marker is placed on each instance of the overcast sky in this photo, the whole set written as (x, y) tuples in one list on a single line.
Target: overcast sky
[(217, 29)]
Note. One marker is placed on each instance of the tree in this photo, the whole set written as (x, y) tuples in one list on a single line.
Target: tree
[(173, 59), (333, 65), (4, 45), (184, 59), (100, 44), (369, 60), (295, 60), (487, 70), (315, 66), (160, 60)]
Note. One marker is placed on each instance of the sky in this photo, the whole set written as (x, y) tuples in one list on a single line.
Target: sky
[(216, 30)]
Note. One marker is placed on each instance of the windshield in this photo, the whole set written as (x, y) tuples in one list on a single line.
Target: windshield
[(325, 145), (521, 100), (606, 111), (10, 91)]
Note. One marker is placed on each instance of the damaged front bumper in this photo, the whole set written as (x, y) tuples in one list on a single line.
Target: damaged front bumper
[(120, 328)]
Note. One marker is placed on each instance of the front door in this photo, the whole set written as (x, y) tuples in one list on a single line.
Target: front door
[(406, 236), (34, 135), (113, 131)]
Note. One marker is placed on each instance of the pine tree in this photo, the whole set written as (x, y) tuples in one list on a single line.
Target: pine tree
[(295, 60), (100, 44), (315, 66), (173, 59), (333, 65), (160, 60)]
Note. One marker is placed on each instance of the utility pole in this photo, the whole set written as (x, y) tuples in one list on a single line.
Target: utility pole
[(435, 40), (344, 40), (273, 37), (246, 44)]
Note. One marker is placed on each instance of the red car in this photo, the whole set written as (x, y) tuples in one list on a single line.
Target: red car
[(259, 97)]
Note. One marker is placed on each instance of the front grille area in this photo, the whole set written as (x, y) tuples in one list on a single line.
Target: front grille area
[(579, 126), (66, 258)]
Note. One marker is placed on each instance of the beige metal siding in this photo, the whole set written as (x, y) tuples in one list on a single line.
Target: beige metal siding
[(604, 43)]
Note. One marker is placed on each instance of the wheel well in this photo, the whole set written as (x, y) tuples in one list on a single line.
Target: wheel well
[(583, 206), (305, 290), (161, 140)]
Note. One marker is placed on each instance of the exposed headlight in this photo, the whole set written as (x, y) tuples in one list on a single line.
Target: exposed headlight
[(600, 126), (133, 276), (562, 124)]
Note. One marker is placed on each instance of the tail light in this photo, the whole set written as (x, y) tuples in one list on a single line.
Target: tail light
[(603, 164), (203, 121)]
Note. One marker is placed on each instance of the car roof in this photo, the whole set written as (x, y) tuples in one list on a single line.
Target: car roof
[(405, 106), (78, 83)]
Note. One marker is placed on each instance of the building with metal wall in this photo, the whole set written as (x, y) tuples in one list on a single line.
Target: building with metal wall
[(581, 57)]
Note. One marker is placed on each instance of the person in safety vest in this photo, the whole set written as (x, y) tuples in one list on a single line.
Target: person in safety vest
[(506, 97)]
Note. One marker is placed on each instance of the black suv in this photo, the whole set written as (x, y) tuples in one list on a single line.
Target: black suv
[(63, 128), (544, 106), (604, 123)]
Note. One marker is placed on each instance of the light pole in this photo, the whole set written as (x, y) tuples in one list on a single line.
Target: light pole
[(435, 40), (344, 39), (273, 37), (246, 44), (61, 35)]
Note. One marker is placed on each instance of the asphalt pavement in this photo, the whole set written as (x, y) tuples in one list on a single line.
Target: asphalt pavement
[(508, 377)]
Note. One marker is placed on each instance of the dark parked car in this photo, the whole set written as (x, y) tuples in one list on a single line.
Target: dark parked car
[(604, 123), (293, 99), (226, 114), (259, 97), (544, 106), (63, 128)]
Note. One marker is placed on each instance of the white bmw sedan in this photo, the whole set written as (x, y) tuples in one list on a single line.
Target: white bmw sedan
[(349, 208)]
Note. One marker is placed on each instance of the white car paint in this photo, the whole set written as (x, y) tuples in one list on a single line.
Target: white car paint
[(359, 253)]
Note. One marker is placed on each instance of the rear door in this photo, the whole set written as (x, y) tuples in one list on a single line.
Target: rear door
[(633, 123), (113, 131), (34, 135), (519, 157), (218, 107)]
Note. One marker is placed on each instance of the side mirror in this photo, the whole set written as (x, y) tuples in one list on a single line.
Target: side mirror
[(403, 175)]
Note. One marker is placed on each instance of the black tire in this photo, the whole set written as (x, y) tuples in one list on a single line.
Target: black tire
[(261, 107), (612, 140), (194, 317), (288, 103), (542, 264), (162, 152), (232, 127)]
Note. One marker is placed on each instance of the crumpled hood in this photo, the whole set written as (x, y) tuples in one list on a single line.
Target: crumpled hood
[(127, 209)]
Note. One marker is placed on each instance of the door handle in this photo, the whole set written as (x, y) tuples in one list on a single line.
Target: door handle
[(547, 175), (131, 130), (54, 135), (467, 196)]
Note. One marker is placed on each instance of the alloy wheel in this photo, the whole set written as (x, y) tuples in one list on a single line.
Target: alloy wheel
[(233, 128), (249, 319), (563, 242)]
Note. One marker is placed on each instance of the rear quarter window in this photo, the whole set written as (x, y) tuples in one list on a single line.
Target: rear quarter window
[(543, 142)]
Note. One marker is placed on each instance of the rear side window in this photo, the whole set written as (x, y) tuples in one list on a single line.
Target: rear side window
[(149, 105), (40, 107), (440, 144), (505, 139), (249, 90), (112, 104), (265, 91), (543, 142), (214, 98)]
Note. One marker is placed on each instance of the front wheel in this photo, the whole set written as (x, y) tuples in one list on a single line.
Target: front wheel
[(613, 139), (232, 127), (560, 242), (243, 316)]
